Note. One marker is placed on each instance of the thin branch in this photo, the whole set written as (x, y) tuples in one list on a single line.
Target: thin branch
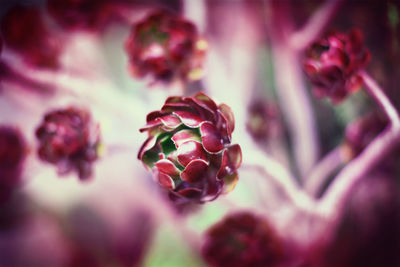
[(297, 196), (315, 25), (379, 96), (335, 198), (279, 175), (296, 107), (321, 172)]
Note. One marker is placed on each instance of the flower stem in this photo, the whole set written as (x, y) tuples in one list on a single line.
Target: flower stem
[(292, 93), (315, 25), (279, 175), (296, 107), (379, 96), (323, 169), (333, 201)]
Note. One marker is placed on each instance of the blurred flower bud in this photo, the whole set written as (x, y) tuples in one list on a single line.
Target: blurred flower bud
[(189, 148), (91, 15), (242, 239), (69, 139), (25, 32), (362, 131), (332, 63), (166, 47), (263, 120)]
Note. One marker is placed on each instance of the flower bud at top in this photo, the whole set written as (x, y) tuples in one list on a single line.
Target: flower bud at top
[(69, 139), (189, 148), (332, 63), (92, 15), (242, 239), (166, 47), (25, 32)]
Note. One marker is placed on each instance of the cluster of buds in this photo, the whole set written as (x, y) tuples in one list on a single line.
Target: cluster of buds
[(166, 47), (69, 139), (12, 155), (242, 239), (25, 31), (189, 148), (91, 15), (332, 64)]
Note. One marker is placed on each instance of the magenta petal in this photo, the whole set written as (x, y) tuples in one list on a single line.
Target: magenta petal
[(150, 124), (194, 171), (231, 160), (148, 144), (189, 151), (183, 136), (170, 121), (228, 115), (189, 119), (211, 137), (170, 107), (154, 115), (202, 99), (167, 167), (201, 111), (165, 181)]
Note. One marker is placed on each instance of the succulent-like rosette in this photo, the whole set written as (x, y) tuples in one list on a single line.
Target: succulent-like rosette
[(25, 31), (332, 63), (12, 155), (166, 47), (69, 139), (189, 148), (242, 239)]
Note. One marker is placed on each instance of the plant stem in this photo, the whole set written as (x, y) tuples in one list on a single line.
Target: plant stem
[(320, 173), (280, 176), (333, 202), (292, 93), (296, 107), (315, 25), (379, 96)]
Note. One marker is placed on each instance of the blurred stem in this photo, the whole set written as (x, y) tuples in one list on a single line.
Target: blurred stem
[(335, 197), (284, 182), (255, 159), (296, 107), (322, 171), (291, 89), (379, 96), (9, 74), (301, 39)]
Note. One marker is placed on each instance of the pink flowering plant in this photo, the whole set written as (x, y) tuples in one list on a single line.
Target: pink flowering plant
[(203, 133)]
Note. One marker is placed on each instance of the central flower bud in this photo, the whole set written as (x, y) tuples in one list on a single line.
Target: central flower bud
[(189, 148)]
